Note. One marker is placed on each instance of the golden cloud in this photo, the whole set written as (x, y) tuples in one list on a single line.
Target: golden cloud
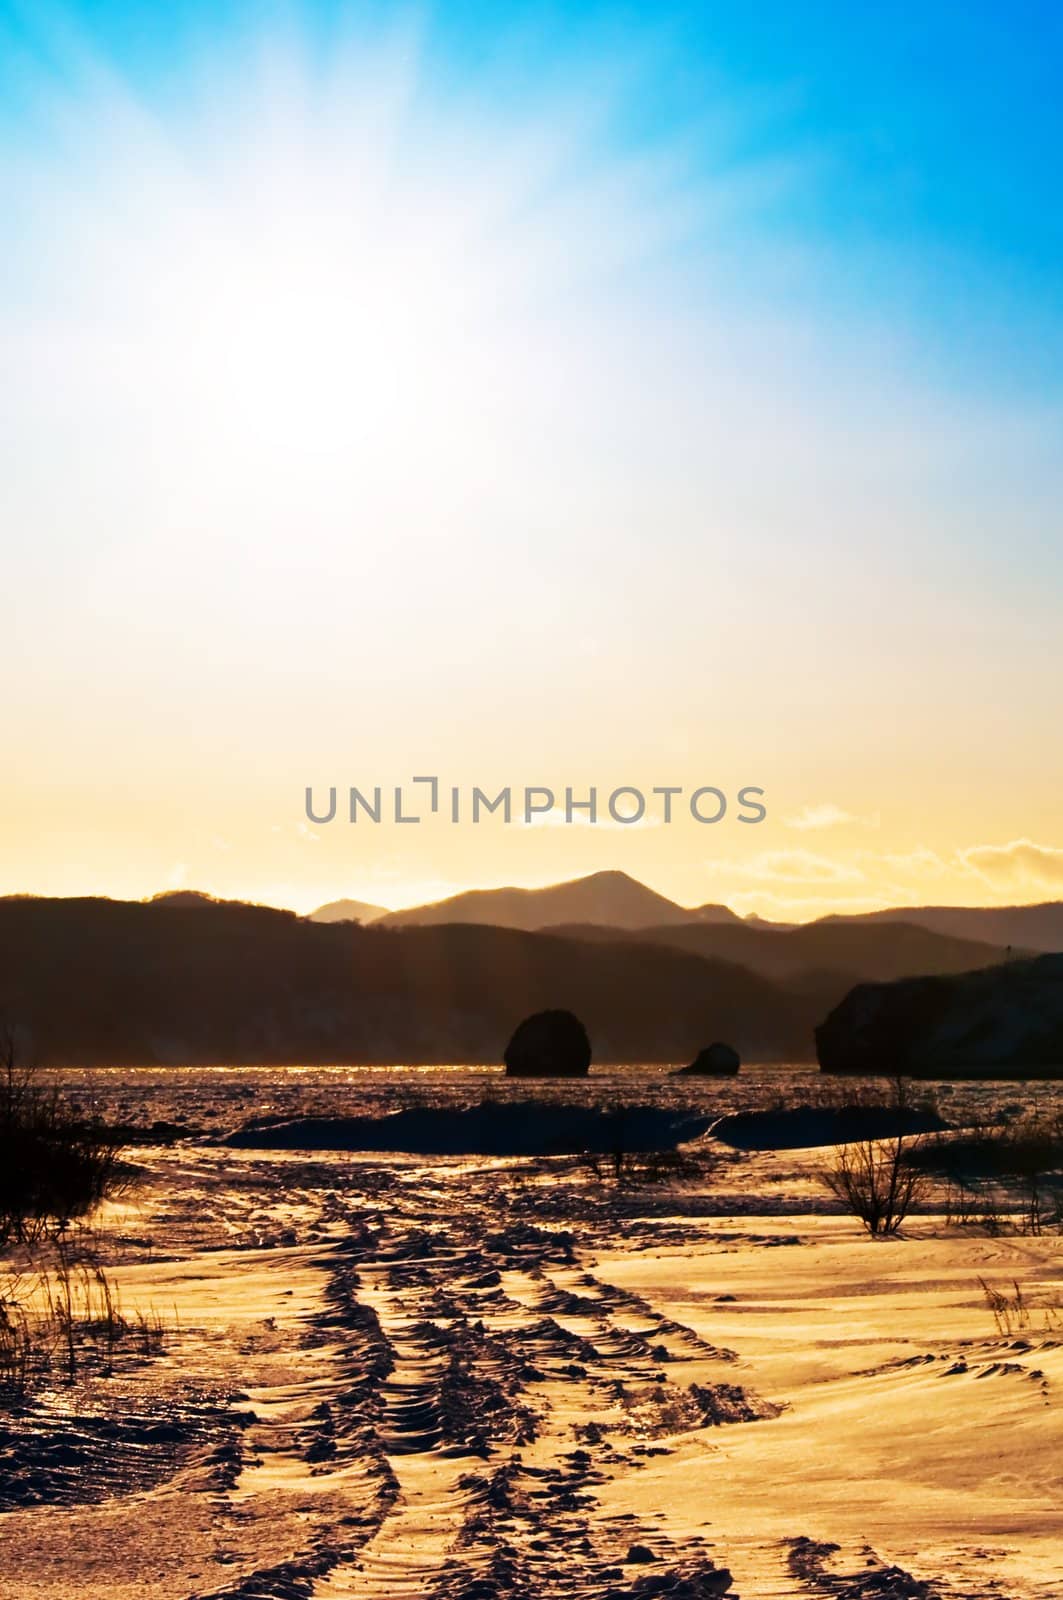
[(1020, 862)]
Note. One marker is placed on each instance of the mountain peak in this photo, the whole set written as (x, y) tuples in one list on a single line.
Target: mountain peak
[(347, 911), (610, 898)]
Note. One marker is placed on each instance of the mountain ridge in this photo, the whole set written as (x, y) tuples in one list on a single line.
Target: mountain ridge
[(878, 952), (614, 899), (1033, 927), (610, 898), (194, 980), (91, 981)]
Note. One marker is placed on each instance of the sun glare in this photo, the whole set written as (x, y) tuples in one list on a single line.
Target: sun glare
[(327, 278)]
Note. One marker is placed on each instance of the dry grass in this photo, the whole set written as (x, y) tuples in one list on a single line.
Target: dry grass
[(61, 1318), (59, 1311), (1013, 1313), (54, 1167)]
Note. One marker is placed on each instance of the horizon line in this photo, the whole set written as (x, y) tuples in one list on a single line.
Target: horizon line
[(177, 892)]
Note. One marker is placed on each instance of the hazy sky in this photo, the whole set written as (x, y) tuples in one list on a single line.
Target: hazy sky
[(562, 394)]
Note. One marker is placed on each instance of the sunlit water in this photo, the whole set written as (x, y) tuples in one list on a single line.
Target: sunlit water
[(216, 1099)]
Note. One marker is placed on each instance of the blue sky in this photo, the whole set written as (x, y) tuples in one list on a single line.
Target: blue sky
[(912, 150), (931, 129)]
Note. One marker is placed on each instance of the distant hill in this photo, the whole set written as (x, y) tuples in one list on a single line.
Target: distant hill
[(183, 897), (96, 981), (1038, 927), (716, 913), (826, 951), (186, 978), (614, 900), (609, 899), (347, 911)]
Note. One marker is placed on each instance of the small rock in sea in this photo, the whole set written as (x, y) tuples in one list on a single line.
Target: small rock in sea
[(639, 1554), (715, 1060), (549, 1044)]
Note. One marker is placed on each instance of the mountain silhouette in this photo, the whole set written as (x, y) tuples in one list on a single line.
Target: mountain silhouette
[(868, 952), (613, 900), (607, 899), (125, 982), (347, 911), (189, 978), (1037, 927)]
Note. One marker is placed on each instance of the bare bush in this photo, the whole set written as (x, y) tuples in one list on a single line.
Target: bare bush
[(876, 1182), (880, 1180)]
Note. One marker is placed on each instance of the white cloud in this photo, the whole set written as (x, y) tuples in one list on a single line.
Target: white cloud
[(829, 815), (787, 881), (557, 819), (791, 866), (920, 861), (800, 908)]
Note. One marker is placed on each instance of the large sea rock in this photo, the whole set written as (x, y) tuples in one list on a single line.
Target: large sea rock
[(549, 1044), (716, 1060), (1003, 1021)]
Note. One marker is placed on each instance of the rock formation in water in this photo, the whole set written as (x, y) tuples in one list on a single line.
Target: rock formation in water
[(521, 1128), (1000, 1021), (810, 1127), (714, 1061), (549, 1044)]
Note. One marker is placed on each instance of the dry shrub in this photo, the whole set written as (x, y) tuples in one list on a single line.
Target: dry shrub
[(54, 1166), (880, 1180), (876, 1182)]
